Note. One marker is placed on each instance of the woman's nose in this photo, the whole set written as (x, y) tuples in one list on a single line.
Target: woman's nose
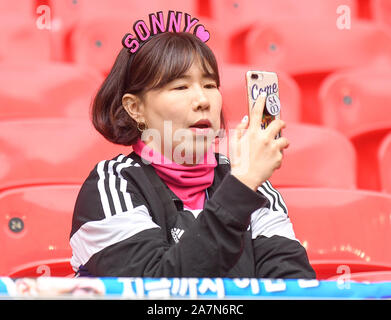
[(200, 100)]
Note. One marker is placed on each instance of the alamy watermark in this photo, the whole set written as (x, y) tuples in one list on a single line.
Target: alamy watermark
[(44, 20), (344, 17), (343, 281)]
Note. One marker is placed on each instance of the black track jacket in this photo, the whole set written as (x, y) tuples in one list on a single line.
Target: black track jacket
[(128, 223)]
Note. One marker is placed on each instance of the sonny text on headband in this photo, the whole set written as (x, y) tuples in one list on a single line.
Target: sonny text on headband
[(157, 24)]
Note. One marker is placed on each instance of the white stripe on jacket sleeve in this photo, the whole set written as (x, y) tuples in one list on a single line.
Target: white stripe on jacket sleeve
[(108, 181), (112, 186), (94, 236), (268, 223), (273, 220), (101, 187)]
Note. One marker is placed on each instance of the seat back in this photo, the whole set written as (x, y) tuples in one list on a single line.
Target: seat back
[(384, 160), (75, 18), (356, 101), (35, 227), (311, 45), (44, 268), (341, 228), (46, 89), (20, 37), (316, 157), (51, 151), (96, 39), (374, 276), (237, 14), (381, 12)]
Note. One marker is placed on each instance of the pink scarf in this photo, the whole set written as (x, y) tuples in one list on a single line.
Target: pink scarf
[(187, 182)]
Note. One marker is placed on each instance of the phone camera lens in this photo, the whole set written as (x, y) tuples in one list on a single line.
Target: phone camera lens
[(254, 76)]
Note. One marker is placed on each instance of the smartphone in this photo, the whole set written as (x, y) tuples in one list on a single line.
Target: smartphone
[(264, 81)]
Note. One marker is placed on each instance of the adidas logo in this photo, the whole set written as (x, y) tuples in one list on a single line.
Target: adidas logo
[(223, 159), (177, 234)]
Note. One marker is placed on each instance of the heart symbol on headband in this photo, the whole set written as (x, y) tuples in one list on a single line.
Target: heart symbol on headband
[(201, 33)]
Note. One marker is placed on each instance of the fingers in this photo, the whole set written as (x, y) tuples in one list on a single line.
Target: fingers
[(257, 112), (269, 134), (282, 143), (240, 128), (274, 128), (243, 124)]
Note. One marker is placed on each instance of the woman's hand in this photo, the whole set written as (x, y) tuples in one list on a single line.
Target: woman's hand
[(255, 153)]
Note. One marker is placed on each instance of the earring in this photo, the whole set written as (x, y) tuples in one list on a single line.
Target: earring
[(141, 126)]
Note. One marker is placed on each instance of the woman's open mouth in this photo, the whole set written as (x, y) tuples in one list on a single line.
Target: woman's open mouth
[(202, 127)]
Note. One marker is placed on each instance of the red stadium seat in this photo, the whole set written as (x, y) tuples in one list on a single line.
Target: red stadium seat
[(316, 157), (69, 15), (381, 12), (20, 8), (356, 101), (64, 16), (21, 40), (367, 146), (113, 7), (341, 228), (309, 85), (234, 92), (36, 90), (235, 14), (384, 159), (96, 40), (35, 227), (314, 45), (44, 268), (218, 42), (51, 151), (374, 276)]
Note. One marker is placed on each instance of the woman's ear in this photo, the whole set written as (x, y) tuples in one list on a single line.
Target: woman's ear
[(133, 106)]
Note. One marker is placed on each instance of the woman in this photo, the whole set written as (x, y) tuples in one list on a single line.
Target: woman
[(173, 208)]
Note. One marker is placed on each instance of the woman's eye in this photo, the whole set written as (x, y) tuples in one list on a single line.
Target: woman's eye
[(180, 88), (210, 86)]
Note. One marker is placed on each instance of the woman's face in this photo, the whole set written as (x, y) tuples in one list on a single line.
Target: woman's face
[(183, 117)]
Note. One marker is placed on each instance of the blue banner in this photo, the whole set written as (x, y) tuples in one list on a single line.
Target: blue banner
[(191, 288)]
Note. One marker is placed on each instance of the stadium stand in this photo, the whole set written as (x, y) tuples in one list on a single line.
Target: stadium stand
[(384, 160), (341, 227), (35, 226), (238, 14), (46, 89), (21, 40), (316, 157), (355, 102), (381, 12), (20, 8), (374, 276), (287, 45), (94, 41), (367, 146), (87, 31), (334, 89), (51, 151)]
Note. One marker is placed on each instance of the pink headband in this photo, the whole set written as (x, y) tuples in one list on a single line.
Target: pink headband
[(156, 25)]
